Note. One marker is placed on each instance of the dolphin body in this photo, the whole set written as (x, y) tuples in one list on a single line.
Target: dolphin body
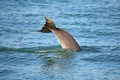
[(64, 38)]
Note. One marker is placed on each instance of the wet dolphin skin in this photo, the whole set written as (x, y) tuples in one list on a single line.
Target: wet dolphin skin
[(65, 39)]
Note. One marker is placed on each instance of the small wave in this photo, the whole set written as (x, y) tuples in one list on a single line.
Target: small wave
[(6, 49), (91, 48), (103, 58), (31, 50), (29, 15)]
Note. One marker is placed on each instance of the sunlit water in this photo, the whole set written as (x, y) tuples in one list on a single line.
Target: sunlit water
[(26, 54)]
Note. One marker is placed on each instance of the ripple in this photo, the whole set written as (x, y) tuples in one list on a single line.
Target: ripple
[(31, 50), (103, 58)]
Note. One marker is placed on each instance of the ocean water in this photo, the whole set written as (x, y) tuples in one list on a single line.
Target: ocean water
[(26, 54)]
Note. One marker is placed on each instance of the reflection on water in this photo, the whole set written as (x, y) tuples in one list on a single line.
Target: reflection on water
[(55, 67)]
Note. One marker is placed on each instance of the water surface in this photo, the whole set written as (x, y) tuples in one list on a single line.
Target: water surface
[(29, 55)]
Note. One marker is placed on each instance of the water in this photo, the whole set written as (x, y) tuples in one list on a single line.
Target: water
[(29, 55)]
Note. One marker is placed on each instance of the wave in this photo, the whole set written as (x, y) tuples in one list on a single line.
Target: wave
[(89, 51), (103, 58), (48, 49), (57, 48), (91, 48), (30, 50)]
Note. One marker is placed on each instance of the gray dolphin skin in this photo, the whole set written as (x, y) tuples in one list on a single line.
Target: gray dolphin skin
[(65, 39)]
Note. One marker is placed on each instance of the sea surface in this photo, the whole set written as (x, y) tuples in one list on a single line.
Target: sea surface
[(26, 54)]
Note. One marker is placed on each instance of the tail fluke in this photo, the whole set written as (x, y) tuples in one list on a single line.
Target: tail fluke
[(47, 26)]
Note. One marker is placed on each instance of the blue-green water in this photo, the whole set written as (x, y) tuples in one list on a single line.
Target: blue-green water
[(29, 55)]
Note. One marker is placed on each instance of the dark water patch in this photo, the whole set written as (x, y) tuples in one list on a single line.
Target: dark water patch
[(31, 50), (103, 58), (30, 15), (56, 57), (91, 48), (48, 61), (116, 48), (88, 15), (4, 72), (104, 33), (100, 49), (6, 49)]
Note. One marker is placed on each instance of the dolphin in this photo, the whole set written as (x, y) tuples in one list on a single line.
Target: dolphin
[(64, 38)]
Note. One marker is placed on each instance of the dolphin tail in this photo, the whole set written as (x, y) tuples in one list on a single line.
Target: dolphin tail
[(48, 26)]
